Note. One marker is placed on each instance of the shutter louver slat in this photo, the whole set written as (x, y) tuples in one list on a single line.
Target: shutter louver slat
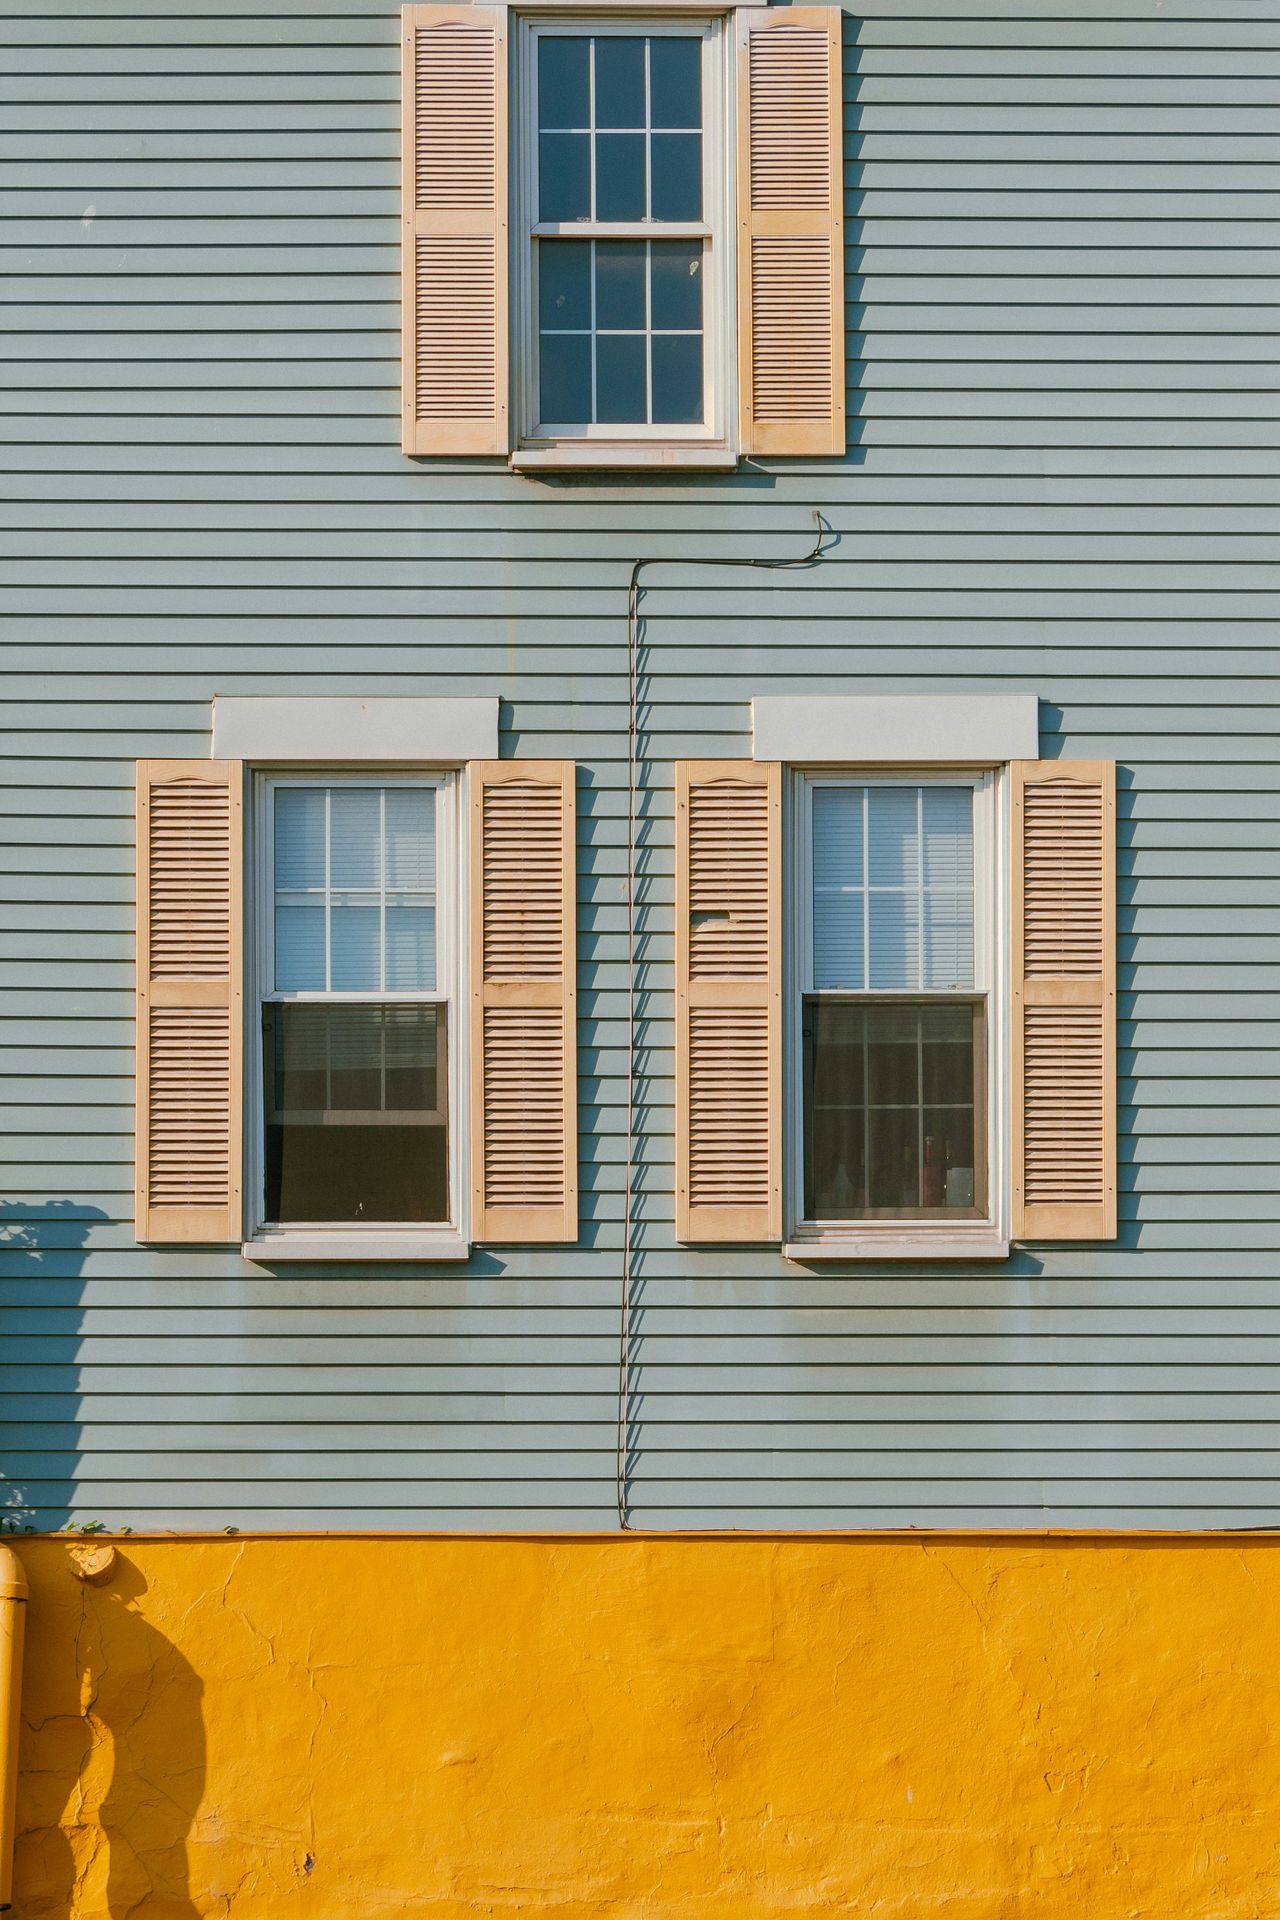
[(1064, 1042), (791, 228), (728, 1001), (454, 230), (523, 999), (190, 986)]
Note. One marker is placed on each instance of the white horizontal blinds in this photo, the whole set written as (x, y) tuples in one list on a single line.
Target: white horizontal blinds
[(791, 227), (728, 1000), (454, 230), (1064, 1000), (524, 1148), (190, 984), (355, 889), (892, 888)]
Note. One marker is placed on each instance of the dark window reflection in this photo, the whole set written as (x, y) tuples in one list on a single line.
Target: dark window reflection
[(892, 1110), (355, 1103)]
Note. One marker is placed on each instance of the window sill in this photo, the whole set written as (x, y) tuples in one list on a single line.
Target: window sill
[(588, 458), (938, 1243), (268, 1248)]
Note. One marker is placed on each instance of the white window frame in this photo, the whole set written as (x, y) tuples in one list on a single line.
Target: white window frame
[(716, 230), (905, 1239), (448, 1239)]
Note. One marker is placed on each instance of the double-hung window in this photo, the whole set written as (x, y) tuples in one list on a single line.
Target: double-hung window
[(356, 969), (622, 233), (623, 288), (896, 1011), (354, 1042)]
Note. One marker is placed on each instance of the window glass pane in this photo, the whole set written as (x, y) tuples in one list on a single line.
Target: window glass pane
[(355, 829), (411, 837), (563, 82), (893, 1168), (838, 941), (676, 272), (890, 1119), (355, 944), (893, 1062), (299, 837), (948, 837), (948, 1176), (834, 1110), (837, 836), (893, 844), (838, 899), (411, 944), (675, 82), (677, 379), (564, 283), (564, 176), (676, 182), (619, 81), (619, 177), (948, 940), (620, 377), (894, 945), (620, 284), (299, 935), (564, 379), (355, 1114)]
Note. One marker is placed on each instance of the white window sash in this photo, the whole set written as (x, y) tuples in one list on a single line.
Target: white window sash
[(450, 973), (716, 230), (990, 983)]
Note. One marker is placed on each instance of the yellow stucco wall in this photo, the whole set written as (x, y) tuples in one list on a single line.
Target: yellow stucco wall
[(698, 1729)]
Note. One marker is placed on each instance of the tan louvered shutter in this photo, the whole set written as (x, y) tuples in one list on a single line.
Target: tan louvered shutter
[(728, 1000), (1064, 1000), (524, 1076), (190, 1000), (790, 231), (454, 229)]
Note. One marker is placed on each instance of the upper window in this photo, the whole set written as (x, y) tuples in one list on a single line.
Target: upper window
[(623, 286), (354, 985), (895, 1002)]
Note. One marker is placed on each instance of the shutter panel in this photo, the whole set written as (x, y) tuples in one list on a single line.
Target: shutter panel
[(728, 1000), (1064, 1000), (524, 1077), (454, 229), (190, 1000), (790, 231)]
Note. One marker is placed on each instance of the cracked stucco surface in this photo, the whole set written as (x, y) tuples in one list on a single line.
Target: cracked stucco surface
[(699, 1729)]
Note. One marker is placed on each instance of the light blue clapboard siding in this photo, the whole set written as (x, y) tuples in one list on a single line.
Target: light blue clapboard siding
[(1062, 474)]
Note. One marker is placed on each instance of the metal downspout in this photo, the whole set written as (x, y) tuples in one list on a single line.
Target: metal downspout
[(13, 1617)]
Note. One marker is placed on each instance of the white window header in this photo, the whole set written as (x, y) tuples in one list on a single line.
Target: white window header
[(896, 729), (279, 732)]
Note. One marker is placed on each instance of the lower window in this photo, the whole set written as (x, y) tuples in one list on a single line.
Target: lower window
[(895, 997), (356, 1113), (355, 971), (894, 1110)]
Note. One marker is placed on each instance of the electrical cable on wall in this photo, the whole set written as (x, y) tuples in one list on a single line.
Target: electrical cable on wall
[(816, 553)]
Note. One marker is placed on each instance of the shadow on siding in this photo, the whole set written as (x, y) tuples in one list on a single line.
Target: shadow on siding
[(42, 1255)]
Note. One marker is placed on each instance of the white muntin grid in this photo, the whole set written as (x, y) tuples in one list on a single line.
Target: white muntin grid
[(989, 986), (717, 302), (450, 937)]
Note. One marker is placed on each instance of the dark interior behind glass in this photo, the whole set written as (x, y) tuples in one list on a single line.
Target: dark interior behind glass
[(894, 1119), (356, 1111)]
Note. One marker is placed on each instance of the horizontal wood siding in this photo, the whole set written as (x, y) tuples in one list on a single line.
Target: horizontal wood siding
[(1062, 475)]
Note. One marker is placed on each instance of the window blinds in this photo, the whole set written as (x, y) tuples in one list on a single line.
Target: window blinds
[(892, 888)]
